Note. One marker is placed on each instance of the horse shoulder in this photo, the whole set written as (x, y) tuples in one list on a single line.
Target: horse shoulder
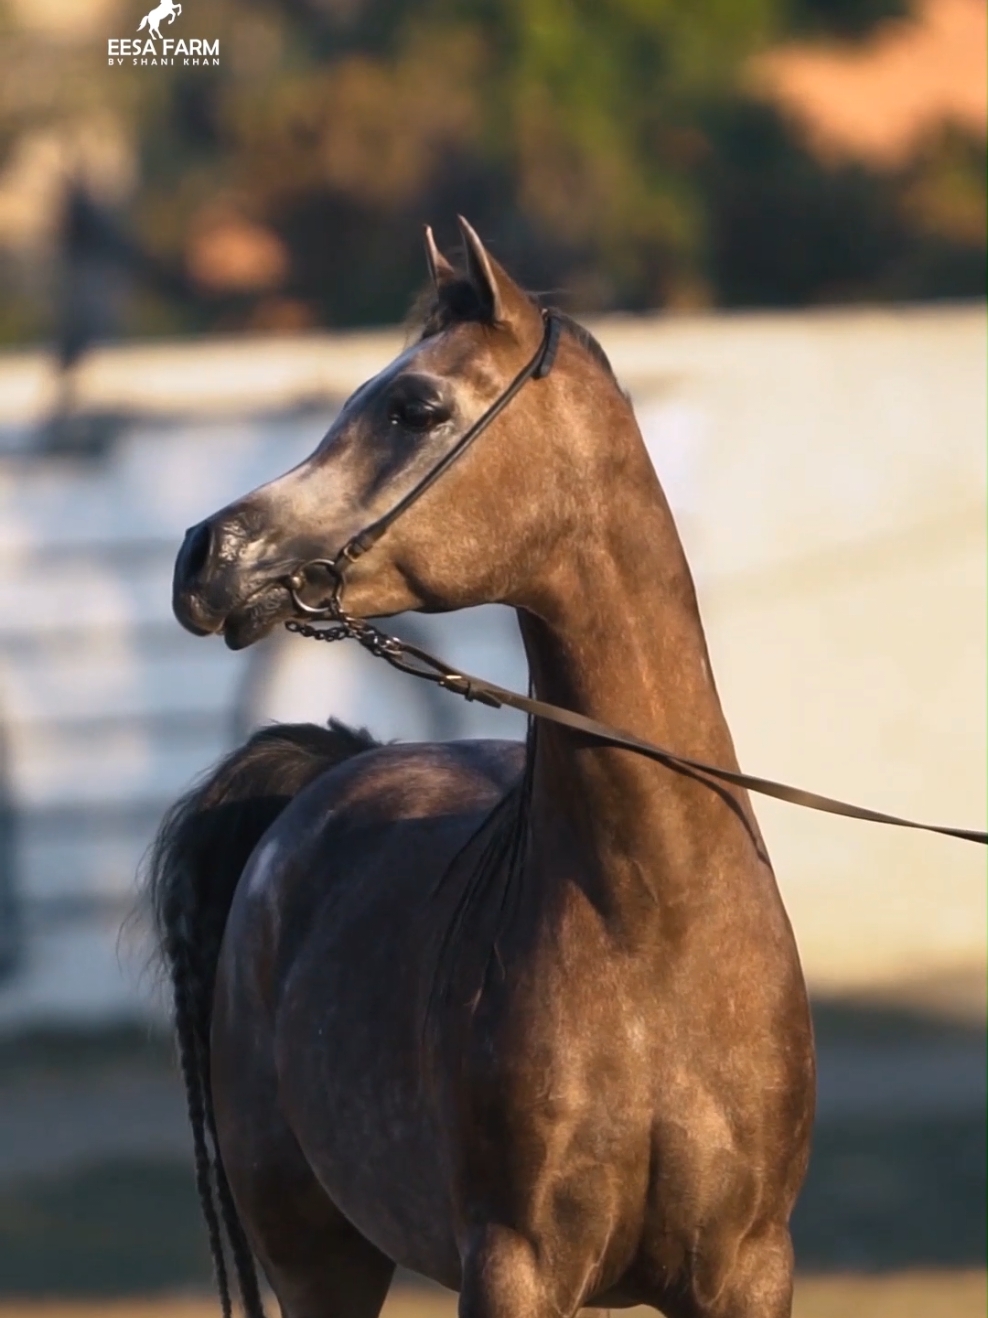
[(406, 781), (400, 810)]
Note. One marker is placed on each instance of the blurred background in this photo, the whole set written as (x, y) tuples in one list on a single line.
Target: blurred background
[(773, 214)]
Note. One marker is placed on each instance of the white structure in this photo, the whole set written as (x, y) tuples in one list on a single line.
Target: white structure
[(827, 470)]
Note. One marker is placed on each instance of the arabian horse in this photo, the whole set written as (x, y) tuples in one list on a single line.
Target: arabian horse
[(527, 1019)]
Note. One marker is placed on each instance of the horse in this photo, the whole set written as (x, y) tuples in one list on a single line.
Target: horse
[(526, 1018), (169, 9)]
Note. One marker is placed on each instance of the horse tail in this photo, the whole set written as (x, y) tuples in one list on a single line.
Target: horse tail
[(192, 871), (143, 21)]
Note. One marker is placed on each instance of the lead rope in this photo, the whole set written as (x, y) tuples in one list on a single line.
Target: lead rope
[(419, 663)]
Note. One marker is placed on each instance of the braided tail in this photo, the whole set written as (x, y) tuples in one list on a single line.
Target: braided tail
[(202, 846), (190, 1063)]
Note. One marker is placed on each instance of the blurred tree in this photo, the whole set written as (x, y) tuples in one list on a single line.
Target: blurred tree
[(608, 149), (786, 231), (844, 18)]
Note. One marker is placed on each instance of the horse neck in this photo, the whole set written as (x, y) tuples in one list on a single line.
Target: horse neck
[(613, 631)]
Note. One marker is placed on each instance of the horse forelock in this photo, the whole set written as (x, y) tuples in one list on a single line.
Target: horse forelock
[(458, 302)]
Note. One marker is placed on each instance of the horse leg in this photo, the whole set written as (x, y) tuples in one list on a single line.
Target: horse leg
[(318, 1264), (504, 1277), (328, 1270), (759, 1282)]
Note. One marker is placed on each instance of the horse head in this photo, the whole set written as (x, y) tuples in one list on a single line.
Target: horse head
[(487, 531)]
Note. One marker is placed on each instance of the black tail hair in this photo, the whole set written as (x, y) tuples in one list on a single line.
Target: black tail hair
[(200, 851)]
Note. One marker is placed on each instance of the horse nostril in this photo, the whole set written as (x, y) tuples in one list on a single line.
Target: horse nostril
[(195, 550)]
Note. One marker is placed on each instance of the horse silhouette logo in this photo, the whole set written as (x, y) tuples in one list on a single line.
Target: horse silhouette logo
[(167, 9)]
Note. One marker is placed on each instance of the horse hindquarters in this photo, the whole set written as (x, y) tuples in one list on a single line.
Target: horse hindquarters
[(318, 1264), (199, 854), (324, 1134)]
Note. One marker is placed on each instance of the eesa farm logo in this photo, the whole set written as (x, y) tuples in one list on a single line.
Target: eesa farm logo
[(156, 50)]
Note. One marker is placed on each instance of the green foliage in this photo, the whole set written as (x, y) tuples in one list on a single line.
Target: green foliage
[(785, 231), (606, 148)]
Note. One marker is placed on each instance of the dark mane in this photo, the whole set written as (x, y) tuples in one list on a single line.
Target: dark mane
[(490, 891), (583, 337), (431, 313)]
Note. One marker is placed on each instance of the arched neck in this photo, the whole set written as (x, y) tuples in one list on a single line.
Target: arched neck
[(613, 631)]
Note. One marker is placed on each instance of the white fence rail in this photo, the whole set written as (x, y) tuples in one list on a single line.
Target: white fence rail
[(827, 471)]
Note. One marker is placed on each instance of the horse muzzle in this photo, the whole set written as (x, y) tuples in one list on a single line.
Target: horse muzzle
[(217, 588)]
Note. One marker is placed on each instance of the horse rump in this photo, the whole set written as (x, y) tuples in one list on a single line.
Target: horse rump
[(191, 875)]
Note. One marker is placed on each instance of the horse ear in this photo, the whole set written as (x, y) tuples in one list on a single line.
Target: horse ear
[(440, 270), (501, 300)]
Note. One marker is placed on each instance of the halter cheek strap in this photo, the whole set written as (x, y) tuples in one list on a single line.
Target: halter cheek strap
[(537, 368)]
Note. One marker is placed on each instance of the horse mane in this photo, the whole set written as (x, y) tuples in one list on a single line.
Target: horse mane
[(581, 334), (491, 887), (432, 312)]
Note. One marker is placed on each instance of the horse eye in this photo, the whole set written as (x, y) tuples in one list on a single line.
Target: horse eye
[(417, 414)]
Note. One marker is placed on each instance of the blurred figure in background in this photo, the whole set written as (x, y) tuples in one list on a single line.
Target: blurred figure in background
[(95, 271)]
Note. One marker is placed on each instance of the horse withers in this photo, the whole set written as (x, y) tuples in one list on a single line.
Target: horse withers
[(526, 1019)]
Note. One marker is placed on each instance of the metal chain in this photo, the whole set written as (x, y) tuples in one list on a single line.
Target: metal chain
[(348, 628), (407, 658), (345, 629), (316, 633)]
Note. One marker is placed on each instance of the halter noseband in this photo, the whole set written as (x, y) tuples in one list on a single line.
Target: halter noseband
[(536, 369)]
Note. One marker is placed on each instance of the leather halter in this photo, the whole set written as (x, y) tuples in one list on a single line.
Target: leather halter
[(412, 659), (537, 368)]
